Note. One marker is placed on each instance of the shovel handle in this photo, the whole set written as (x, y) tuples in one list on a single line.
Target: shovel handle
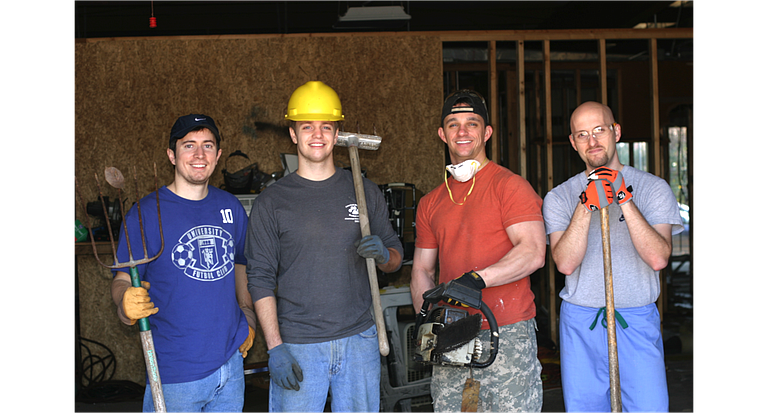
[(613, 354)]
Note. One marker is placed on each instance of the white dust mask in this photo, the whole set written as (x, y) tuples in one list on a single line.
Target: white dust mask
[(464, 171)]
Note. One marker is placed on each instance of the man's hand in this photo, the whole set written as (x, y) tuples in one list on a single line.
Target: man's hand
[(283, 368), (621, 193), (136, 303), (248, 341), (469, 279), (598, 195), (371, 246)]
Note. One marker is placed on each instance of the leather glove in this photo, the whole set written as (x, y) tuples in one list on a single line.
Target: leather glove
[(621, 193), (283, 368), (371, 246), (597, 196), (248, 341), (137, 304), (470, 279)]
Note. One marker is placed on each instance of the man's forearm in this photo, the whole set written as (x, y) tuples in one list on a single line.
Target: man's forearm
[(118, 288), (395, 260), (570, 247), (266, 311), (653, 243), (422, 275), (243, 296)]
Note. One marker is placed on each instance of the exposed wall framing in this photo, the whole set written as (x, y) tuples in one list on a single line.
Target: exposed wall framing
[(519, 155)]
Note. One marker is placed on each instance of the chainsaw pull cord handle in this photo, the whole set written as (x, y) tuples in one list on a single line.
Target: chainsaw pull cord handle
[(420, 319), (432, 296)]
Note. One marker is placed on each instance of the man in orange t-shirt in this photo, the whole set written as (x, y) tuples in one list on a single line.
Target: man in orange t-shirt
[(484, 227)]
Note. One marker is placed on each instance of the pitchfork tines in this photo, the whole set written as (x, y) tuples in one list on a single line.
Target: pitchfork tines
[(115, 178)]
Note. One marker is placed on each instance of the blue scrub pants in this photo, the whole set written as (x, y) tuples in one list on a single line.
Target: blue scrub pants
[(584, 360)]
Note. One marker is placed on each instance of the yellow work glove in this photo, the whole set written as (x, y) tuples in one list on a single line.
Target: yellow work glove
[(136, 303), (248, 342)]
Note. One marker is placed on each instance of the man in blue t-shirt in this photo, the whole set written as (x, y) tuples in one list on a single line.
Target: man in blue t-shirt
[(199, 309)]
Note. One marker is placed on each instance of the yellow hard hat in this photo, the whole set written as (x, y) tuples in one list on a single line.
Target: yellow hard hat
[(314, 100)]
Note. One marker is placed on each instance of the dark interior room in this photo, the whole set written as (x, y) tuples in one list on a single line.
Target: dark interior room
[(392, 63)]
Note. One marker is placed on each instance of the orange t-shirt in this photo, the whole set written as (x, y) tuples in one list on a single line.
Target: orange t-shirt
[(473, 236)]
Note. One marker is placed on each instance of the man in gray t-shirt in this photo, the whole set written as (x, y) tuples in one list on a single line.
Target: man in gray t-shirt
[(307, 273), (643, 217)]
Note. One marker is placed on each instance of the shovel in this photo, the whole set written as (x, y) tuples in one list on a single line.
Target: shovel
[(613, 354)]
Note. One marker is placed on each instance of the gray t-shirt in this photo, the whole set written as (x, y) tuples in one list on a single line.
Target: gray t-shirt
[(300, 249), (635, 284)]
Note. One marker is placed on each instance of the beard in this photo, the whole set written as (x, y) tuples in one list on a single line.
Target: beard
[(598, 160)]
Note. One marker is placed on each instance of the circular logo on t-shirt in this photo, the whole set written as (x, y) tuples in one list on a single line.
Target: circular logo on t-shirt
[(205, 253)]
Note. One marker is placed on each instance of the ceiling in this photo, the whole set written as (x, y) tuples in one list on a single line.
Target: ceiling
[(179, 18)]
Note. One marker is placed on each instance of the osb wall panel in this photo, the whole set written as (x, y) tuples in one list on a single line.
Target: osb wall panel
[(129, 92)]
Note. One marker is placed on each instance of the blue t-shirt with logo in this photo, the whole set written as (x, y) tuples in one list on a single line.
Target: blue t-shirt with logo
[(199, 324)]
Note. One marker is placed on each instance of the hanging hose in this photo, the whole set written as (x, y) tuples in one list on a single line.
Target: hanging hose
[(97, 372), (95, 368)]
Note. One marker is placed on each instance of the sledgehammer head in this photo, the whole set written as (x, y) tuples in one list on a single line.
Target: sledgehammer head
[(362, 141)]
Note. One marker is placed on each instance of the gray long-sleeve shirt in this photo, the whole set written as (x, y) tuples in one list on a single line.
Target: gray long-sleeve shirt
[(300, 249)]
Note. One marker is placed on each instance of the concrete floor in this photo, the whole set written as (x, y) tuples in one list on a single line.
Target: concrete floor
[(679, 380), (678, 339), (679, 363)]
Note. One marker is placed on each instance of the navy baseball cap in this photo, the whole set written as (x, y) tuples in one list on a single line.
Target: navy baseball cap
[(473, 99), (188, 123)]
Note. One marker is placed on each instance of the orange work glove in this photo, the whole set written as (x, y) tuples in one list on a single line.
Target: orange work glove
[(597, 196), (136, 303), (248, 342), (620, 190)]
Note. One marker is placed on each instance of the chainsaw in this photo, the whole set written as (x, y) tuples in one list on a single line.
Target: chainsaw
[(449, 336)]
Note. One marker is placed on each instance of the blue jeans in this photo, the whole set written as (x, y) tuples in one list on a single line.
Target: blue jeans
[(348, 368), (222, 391)]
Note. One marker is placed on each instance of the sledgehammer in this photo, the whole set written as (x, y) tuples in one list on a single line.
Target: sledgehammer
[(371, 143)]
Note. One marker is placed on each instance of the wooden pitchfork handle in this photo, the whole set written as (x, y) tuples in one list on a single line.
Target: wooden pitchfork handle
[(613, 354), (365, 229)]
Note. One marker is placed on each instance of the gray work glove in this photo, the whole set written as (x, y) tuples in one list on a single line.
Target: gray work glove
[(284, 369), (371, 246)]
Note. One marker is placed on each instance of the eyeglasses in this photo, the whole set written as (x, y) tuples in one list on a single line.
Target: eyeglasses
[(598, 132)]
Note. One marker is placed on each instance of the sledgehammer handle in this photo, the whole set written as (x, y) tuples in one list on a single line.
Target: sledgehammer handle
[(365, 228)]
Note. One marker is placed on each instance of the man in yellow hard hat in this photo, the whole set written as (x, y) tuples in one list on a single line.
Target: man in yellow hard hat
[(307, 273)]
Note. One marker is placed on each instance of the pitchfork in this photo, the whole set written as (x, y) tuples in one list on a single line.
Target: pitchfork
[(115, 178)]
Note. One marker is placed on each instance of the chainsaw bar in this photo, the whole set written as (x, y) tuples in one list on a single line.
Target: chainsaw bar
[(458, 333)]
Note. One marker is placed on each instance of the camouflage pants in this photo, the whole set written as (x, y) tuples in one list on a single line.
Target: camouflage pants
[(511, 384)]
